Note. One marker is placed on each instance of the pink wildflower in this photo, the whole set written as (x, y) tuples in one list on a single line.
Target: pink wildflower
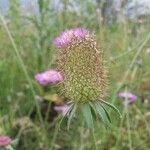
[(131, 98), (66, 37), (62, 109), (4, 141), (49, 77)]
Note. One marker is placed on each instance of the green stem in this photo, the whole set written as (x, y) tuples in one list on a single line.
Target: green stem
[(129, 130), (128, 121), (56, 131), (131, 65), (9, 147), (21, 63), (82, 134), (94, 139)]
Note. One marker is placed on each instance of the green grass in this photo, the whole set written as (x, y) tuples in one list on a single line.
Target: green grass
[(26, 48)]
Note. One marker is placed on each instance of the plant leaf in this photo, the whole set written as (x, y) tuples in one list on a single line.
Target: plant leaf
[(108, 116), (53, 98), (62, 118), (94, 111), (112, 106), (101, 111), (87, 114), (72, 112)]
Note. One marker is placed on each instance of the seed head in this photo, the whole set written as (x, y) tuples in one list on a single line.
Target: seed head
[(81, 62)]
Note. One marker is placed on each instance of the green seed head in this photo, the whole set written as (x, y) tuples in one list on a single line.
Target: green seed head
[(81, 62)]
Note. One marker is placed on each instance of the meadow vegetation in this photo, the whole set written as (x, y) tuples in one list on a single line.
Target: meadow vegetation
[(26, 48)]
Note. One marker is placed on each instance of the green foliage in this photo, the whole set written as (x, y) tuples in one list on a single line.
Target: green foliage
[(87, 114)]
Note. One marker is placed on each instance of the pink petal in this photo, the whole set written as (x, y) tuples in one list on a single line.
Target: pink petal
[(62, 109), (66, 37), (4, 141), (49, 77), (128, 96)]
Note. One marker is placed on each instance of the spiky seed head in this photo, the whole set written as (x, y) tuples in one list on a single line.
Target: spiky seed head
[(81, 62)]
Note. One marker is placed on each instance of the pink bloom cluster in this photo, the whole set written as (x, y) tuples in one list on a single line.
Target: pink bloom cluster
[(62, 109), (66, 37), (4, 141), (49, 77), (131, 98)]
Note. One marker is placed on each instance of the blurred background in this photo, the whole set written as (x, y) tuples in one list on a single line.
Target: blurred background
[(27, 110)]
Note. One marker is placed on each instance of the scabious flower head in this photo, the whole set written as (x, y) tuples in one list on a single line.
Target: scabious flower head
[(63, 109), (131, 98), (4, 140), (49, 77), (66, 38), (82, 64)]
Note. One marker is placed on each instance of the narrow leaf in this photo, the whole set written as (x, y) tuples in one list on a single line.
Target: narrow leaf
[(108, 116), (94, 111), (71, 115), (113, 107), (87, 114), (102, 113)]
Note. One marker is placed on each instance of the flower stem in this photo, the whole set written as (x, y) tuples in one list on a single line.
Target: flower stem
[(94, 139)]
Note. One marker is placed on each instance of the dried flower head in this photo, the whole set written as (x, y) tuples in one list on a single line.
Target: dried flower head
[(49, 77)]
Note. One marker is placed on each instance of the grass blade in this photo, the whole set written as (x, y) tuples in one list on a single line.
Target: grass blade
[(72, 112)]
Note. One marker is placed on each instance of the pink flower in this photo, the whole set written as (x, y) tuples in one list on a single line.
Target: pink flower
[(66, 37), (62, 109), (131, 98), (49, 77), (4, 141)]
